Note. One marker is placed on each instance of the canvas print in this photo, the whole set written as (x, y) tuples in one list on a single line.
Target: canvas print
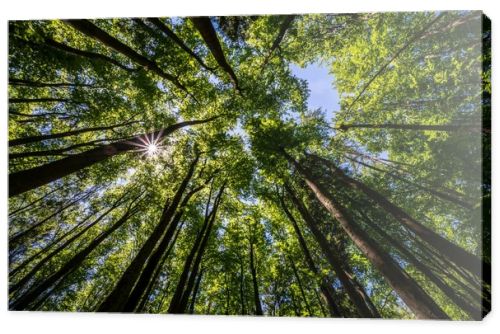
[(309, 165)]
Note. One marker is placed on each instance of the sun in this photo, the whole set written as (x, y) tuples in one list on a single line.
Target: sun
[(150, 145), (152, 149)]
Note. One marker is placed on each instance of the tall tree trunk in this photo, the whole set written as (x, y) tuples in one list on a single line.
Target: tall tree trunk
[(410, 292), (285, 25), (187, 280), (22, 82), (188, 262), (87, 54), (328, 296), (36, 117), (446, 268), (199, 256), (155, 258), (117, 299), (325, 286), (21, 236), (163, 296), (277, 300), (62, 151), (169, 33), (456, 254), (356, 293), (296, 306), (25, 180), (301, 287), (63, 246), (207, 31), (41, 198), (41, 253), (32, 294), (88, 28), (320, 301), (473, 312), (37, 100), (407, 168), (56, 287), (242, 289), (256, 295), (158, 270), (195, 291), (442, 195), (33, 139)]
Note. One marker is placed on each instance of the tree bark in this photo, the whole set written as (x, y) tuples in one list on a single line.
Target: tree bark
[(88, 28), (87, 54), (320, 301), (446, 268), (30, 296), (33, 139), (410, 292), (37, 100), (43, 251), (456, 254), (155, 258), (207, 31), (169, 33), (356, 293), (398, 166), (301, 287), (327, 292), (63, 246), (285, 25), (25, 180), (22, 82), (473, 312), (256, 295), (152, 283), (20, 236), (61, 151), (194, 271), (186, 283), (444, 196), (188, 262), (117, 299), (195, 291)]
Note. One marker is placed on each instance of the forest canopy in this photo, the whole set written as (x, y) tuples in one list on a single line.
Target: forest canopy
[(174, 165)]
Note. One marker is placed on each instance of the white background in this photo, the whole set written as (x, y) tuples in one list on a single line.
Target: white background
[(25, 322)]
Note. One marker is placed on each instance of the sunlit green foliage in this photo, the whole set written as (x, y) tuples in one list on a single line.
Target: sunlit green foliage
[(413, 125)]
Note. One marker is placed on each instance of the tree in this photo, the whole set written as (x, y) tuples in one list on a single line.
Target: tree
[(176, 165), (37, 176)]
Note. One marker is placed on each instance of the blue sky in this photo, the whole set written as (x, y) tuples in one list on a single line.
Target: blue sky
[(322, 92)]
